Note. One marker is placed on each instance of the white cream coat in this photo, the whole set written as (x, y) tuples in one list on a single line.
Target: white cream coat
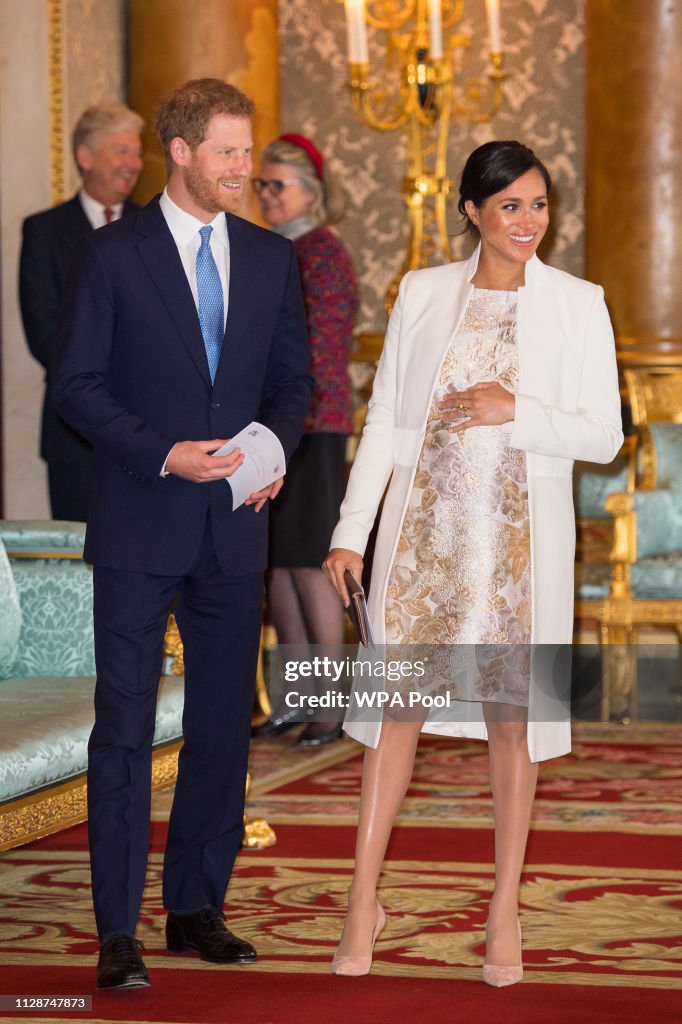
[(567, 408)]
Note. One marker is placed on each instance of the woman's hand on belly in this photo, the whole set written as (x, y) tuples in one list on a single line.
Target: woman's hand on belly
[(336, 563), (485, 405)]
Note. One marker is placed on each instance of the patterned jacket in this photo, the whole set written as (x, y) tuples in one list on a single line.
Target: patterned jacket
[(331, 299)]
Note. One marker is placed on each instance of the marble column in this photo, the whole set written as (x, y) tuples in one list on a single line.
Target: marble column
[(633, 207), (171, 41)]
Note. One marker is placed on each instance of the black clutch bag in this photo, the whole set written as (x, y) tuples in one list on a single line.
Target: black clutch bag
[(357, 610)]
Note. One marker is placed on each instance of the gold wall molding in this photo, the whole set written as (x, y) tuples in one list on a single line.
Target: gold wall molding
[(85, 66), (55, 35)]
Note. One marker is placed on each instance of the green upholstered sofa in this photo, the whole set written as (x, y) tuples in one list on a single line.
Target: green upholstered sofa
[(47, 678)]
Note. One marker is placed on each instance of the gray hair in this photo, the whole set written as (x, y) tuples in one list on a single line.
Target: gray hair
[(329, 203), (104, 117)]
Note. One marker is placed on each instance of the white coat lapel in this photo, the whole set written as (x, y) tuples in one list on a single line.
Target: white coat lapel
[(442, 305), (537, 337)]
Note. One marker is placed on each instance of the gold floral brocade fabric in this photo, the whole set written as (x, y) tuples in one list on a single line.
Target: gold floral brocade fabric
[(461, 573)]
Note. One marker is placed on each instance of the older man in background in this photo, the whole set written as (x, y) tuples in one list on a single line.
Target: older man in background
[(108, 152)]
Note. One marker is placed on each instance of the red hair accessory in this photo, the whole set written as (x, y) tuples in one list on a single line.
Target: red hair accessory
[(309, 147)]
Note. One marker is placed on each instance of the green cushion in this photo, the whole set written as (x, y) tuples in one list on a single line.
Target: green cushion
[(56, 604), (10, 617), (659, 523), (668, 442), (592, 484), (42, 535), (659, 577), (45, 725)]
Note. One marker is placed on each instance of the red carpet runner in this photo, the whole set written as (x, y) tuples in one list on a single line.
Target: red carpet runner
[(601, 898)]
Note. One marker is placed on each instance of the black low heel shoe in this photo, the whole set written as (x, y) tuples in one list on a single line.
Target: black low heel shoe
[(280, 721), (314, 736)]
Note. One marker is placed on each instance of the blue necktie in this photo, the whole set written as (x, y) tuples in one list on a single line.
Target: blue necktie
[(211, 310)]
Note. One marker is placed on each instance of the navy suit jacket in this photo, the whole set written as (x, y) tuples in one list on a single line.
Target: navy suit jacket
[(132, 377), (51, 241)]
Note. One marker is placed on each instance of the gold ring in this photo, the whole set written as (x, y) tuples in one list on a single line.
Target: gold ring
[(462, 407)]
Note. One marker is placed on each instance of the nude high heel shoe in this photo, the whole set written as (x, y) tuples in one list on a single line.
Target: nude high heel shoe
[(356, 966), (498, 976)]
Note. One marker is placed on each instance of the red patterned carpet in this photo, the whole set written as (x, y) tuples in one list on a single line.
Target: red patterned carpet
[(601, 897)]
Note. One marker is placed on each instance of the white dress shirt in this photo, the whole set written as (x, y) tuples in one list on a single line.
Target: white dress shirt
[(185, 231), (94, 210)]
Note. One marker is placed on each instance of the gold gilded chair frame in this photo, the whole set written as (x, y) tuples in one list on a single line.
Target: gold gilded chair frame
[(655, 396)]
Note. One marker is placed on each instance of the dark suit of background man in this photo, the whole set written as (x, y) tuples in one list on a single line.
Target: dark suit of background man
[(155, 311), (108, 153)]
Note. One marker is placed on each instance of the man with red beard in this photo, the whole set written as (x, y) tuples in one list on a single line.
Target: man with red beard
[(183, 324)]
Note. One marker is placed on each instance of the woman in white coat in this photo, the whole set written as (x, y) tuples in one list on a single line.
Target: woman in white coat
[(497, 372)]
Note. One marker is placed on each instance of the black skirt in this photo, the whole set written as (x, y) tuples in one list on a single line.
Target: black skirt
[(305, 512)]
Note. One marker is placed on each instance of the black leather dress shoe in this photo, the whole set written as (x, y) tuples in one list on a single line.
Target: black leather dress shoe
[(204, 932), (120, 964)]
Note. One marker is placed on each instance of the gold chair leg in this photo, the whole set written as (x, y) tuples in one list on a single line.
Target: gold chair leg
[(605, 640), (677, 685), (268, 639), (257, 833), (172, 647), (619, 673)]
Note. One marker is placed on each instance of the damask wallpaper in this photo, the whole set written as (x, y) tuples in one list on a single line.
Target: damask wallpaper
[(543, 107)]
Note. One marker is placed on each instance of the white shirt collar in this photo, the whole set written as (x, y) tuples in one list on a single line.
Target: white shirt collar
[(94, 210), (185, 228)]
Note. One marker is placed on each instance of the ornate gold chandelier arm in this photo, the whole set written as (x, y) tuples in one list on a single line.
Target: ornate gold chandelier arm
[(364, 96), (479, 98), (452, 13), (389, 15), (433, 78), (421, 90)]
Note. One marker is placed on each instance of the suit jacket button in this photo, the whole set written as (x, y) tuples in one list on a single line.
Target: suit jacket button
[(214, 405)]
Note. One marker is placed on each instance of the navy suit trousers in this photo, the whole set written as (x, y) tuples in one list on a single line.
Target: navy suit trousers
[(219, 619)]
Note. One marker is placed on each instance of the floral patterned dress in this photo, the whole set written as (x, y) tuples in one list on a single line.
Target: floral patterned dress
[(461, 573)]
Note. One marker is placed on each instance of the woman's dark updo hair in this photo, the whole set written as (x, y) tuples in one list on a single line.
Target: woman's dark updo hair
[(493, 167)]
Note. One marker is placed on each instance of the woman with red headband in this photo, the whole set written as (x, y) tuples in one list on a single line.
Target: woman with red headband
[(299, 199)]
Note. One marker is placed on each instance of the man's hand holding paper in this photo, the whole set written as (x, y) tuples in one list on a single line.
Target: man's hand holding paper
[(260, 474), (192, 460)]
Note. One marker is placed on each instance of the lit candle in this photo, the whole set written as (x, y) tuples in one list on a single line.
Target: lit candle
[(494, 29), (435, 30), (357, 31)]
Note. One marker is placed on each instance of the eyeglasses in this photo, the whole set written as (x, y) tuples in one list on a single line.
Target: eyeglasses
[(274, 184)]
